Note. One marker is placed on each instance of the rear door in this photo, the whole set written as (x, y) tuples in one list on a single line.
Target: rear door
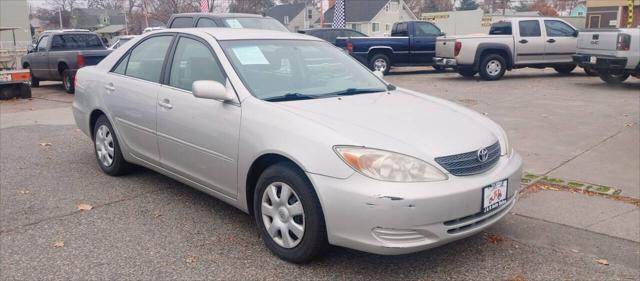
[(423, 42), (131, 95), (561, 41), (197, 138), (529, 42)]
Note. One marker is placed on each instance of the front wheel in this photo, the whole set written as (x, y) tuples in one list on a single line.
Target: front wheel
[(439, 68), (34, 81), (67, 81), (288, 214), (565, 69), (467, 72), (380, 62), (492, 67), (613, 77)]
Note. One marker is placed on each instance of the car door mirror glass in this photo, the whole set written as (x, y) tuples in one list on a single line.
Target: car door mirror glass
[(209, 89)]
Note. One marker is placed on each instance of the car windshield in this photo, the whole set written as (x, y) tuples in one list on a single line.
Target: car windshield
[(255, 23), (280, 70)]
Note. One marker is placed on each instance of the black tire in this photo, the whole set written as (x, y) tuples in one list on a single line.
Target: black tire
[(439, 68), (314, 239), (467, 72), (25, 91), (564, 69), (8, 91), (67, 81), (613, 77), (378, 57), (590, 71), (35, 82), (492, 58), (118, 166)]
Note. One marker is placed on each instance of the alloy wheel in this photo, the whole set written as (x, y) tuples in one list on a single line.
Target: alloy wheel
[(283, 215), (105, 146), (380, 65), (494, 67)]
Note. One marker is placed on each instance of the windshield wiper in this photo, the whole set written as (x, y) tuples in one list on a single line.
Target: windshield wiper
[(356, 91), (290, 97)]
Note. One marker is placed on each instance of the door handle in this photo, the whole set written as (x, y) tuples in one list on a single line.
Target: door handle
[(523, 41), (109, 87), (165, 103), (551, 40)]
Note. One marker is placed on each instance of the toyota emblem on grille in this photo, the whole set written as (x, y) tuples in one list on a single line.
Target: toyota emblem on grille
[(483, 155)]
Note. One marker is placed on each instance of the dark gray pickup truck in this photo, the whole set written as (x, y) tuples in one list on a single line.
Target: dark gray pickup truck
[(59, 54)]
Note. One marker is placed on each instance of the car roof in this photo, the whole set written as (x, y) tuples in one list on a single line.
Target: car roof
[(219, 15), (244, 33)]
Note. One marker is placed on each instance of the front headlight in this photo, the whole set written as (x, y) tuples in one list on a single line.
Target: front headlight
[(506, 145), (388, 166)]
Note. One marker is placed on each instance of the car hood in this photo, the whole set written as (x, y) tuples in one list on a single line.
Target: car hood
[(401, 121)]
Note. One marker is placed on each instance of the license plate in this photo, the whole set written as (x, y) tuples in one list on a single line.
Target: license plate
[(494, 196), (5, 77), (593, 60)]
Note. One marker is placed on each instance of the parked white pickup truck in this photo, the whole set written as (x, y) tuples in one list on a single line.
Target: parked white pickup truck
[(512, 43), (614, 53)]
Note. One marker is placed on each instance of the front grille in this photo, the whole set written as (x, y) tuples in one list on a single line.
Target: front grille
[(466, 164)]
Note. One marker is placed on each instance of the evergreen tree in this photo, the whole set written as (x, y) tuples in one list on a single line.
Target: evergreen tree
[(468, 5)]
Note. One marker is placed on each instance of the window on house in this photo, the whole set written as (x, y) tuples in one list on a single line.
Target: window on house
[(375, 27), (356, 27), (310, 13), (394, 5), (286, 19), (387, 27)]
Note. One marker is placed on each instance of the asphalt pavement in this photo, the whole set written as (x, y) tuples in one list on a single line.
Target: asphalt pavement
[(146, 226)]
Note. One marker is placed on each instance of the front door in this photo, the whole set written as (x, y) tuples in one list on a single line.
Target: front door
[(131, 95), (561, 41), (198, 138), (530, 44), (40, 59), (423, 43)]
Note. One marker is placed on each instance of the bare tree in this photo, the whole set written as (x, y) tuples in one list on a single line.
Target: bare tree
[(64, 5), (107, 4)]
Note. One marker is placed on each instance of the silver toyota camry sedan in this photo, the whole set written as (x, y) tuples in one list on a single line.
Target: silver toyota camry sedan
[(295, 132)]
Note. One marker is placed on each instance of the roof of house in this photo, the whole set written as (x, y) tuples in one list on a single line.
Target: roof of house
[(111, 29), (358, 10), (90, 17), (288, 10)]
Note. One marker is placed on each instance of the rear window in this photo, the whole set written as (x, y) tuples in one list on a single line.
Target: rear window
[(530, 28), (500, 28), (182, 22), (76, 41), (255, 23)]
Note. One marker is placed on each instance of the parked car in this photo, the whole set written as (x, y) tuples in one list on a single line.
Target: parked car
[(292, 130), (510, 44), (59, 54), (117, 41), (614, 53), (331, 34), (411, 43), (232, 20)]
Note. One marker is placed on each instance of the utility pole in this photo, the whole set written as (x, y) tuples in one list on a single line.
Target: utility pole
[(60, 16), (126, 24)]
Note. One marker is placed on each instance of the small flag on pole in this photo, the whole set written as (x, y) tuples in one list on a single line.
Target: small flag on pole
[(339, 19), (204, 6)]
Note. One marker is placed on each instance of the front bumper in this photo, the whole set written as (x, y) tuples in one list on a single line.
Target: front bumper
[(445, 62), (600, 61), (399, 218)]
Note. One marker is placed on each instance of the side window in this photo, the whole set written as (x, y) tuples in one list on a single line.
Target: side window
[(530, 28), (500, 28), (193, 61), (400, 30), (558, 29), (42, 45), (146, 59), (57, 43), (122, 65), (205, 22), (426, 29), (182, 22)]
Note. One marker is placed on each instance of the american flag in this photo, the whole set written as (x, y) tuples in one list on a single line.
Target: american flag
[(339, 20), (204, 6)]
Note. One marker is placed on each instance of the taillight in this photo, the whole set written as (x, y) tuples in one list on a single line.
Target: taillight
[(80, 61), (457, 48), (624, 42), (350, 47)]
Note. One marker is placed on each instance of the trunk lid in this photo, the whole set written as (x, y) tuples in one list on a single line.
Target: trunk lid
[(445, 47), (600, 41)]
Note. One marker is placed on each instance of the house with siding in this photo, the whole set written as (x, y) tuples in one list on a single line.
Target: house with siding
[(296, 16), (611, 13), (372, 17)]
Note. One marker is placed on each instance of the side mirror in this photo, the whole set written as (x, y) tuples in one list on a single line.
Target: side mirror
[(209, 89), (575, 33), (379, 73), (442, 34)]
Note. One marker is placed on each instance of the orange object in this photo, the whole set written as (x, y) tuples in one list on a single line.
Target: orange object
[(20, 76)]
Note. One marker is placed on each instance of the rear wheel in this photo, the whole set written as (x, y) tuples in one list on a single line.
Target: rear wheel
[(380, 62), (288, 214), (613, 77), (590, 71), (492, 67), (107, 149), (439, 68), (67, 81), (467, 72), (565, 69)]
